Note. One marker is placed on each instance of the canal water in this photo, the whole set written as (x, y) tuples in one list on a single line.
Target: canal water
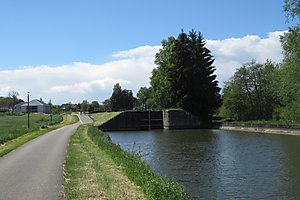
[(217, 164)]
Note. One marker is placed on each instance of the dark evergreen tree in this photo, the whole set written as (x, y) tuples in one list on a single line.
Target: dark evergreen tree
[(121, 99), (193, 84)]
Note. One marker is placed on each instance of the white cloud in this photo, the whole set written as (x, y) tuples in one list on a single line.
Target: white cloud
[(132, 69), (143, 51), (231, 53), (78, 81)]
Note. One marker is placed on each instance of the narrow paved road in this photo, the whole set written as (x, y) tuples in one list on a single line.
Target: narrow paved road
[(35, 170)]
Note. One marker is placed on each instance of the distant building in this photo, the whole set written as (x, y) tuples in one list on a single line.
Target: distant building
[(17, 107), (35, 106)]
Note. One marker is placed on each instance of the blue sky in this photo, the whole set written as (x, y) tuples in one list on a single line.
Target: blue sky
[(61, 35), (59, 32)]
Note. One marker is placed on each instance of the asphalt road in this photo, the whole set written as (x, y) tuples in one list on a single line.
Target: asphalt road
[(35, 170)]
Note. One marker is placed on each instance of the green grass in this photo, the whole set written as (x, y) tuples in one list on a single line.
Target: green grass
[(268, 122), (27, 136), (14, 126), (91, 174), (100, 118), (95, 165)]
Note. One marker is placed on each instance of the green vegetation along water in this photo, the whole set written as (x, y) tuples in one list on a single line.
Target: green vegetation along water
[(217, 164), (96, 168)]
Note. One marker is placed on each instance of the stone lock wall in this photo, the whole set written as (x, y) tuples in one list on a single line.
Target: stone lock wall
[(180, 119)]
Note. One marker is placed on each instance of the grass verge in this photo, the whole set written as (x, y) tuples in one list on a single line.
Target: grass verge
[(91, 174), (15, 143)]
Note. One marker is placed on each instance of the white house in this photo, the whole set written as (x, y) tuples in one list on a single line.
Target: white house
[(35, 106)]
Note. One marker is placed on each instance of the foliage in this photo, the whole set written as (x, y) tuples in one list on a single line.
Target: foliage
[(279, 98), (249, 95), (14, 99), (185, 76), (7, 103), (90, 107), (143, 95), (292, 9), (69, 107), (266, 91), (121, 99), (289, 91), (84, 105), (107, 104), (94, 106), (193, 83), (160, 81)]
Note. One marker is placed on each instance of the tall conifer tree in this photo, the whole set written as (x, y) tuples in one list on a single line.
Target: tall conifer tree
[(193, 83)]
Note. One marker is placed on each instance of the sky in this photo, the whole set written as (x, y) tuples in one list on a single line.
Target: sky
[(74, 50)]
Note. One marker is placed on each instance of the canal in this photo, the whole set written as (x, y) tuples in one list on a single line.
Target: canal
[(217, 164)]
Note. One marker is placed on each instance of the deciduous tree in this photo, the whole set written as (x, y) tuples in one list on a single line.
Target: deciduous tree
[(160, 79), (250, 94)]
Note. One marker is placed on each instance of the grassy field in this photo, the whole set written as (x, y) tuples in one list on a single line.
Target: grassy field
[(14, 126), (96, 168), (42, 127)]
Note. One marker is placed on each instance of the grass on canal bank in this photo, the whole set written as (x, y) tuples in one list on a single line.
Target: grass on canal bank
[(96, 168), (100, 118), (34, 133), (91, 174), (268, 122)]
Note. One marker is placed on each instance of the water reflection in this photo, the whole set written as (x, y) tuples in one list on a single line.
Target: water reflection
[(220, 164)]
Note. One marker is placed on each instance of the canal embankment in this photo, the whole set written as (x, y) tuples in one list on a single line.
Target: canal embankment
[(96, 168), (261, 128)]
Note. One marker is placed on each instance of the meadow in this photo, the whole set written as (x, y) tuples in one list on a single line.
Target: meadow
[(13, 126)]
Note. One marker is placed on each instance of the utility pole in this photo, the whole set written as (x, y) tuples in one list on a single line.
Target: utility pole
[(28, 110), (50, 109)]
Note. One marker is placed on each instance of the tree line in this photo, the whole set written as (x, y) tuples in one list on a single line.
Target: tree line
[(7, 103), (268, 91)]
